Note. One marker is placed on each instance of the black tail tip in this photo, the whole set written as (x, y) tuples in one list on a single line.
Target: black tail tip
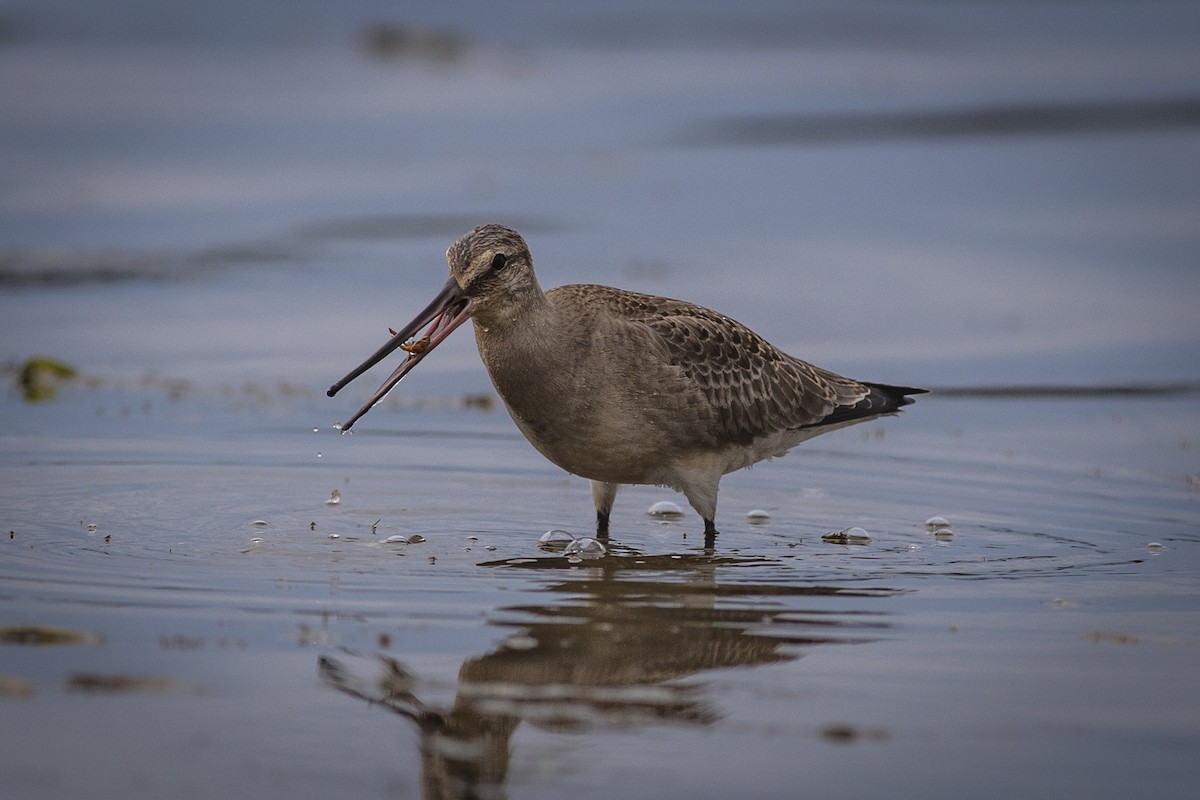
[(905, 392), (897, 396)]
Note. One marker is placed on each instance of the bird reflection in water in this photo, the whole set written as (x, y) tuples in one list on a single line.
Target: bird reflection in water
[(615, 649)]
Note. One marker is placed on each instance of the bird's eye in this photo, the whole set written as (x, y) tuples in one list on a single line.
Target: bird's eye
[(498, 261)]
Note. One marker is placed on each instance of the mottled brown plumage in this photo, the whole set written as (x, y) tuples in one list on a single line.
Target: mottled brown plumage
[(621, 387)]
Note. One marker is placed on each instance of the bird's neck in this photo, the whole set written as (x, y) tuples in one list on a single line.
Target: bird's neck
[(529, 355)]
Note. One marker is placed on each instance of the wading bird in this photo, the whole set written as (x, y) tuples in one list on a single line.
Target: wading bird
[(620, 387)]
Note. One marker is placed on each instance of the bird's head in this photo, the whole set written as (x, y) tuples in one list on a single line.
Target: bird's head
[(491, 276), (493, 268)]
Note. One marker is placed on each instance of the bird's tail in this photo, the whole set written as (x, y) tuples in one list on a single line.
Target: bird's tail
[(881, 399)]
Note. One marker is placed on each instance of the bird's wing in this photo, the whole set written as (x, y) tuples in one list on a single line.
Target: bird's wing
[(754, 388)]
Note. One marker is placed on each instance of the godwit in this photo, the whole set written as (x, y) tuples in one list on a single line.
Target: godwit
[(620, 387)]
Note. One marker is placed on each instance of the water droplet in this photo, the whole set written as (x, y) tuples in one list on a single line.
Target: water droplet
[(853, 535), (665, 509), (397, 539), (934, 523), (315, 430), (92, 527), (585, 547), (555, 539), (335, 497), (520, 642), (318, 454), (758, 517), (259, 523), (1156, 547)]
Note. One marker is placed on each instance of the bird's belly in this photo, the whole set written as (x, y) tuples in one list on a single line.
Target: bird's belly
[(641, 453), (612, 455)]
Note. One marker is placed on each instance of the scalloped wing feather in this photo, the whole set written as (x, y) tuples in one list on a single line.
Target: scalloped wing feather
[(755, 389)]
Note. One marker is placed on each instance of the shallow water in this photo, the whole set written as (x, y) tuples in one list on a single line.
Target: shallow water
[(1043, 647), (212, 215)]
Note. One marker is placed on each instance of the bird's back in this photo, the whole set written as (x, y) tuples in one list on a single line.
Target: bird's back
[(753, 388)]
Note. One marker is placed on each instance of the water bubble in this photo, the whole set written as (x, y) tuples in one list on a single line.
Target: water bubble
[(259, 523), (758, 517), (555, 539), (585, 547), (92, 527), (665, 509), (315, 430), (854, 535), (933, 523), (397, 539), (335, 497), (318, 454), (1156, 547), (520, 642), (943, 534), (257, 545), (334, 536), (415, 538), (472, 538), (491, 547)]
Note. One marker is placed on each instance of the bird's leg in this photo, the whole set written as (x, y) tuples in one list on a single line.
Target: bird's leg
[(701, 492), (603, 495)]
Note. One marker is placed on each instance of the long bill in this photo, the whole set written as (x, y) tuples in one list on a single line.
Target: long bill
[(445, 313)]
